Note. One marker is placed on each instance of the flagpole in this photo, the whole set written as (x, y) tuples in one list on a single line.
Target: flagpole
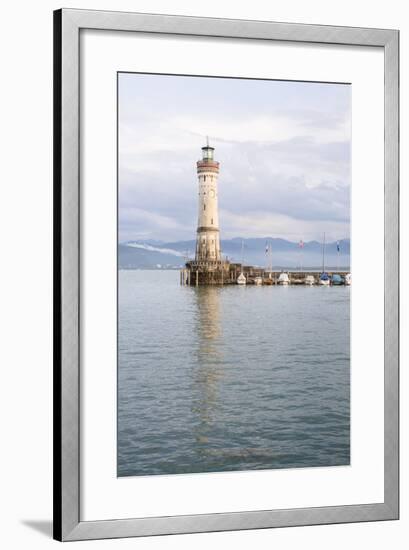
[(338, 250)]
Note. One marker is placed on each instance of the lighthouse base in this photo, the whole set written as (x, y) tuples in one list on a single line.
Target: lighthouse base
[(206, 273)]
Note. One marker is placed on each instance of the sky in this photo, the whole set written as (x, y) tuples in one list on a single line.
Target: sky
[(283, 148)]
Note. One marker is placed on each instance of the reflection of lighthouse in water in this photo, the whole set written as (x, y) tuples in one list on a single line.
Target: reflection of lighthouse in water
[(208, 239), (209, 359)]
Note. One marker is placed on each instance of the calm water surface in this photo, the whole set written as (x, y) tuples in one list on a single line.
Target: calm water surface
[(230, 378)]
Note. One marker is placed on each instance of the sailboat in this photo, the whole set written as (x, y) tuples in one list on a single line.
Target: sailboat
[(269, 252), (283, 279), (337, 279), (309, 280), (241, 279), (324, 277)]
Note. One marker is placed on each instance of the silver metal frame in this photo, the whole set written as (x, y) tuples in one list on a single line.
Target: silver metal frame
[(67, 25)]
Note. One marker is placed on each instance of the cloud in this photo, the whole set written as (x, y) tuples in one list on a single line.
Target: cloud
[(259, 223), (284, 156)]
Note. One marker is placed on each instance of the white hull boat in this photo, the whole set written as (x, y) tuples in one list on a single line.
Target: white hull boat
[(283, 279), (324, 279), (241, 279), (309, 280)]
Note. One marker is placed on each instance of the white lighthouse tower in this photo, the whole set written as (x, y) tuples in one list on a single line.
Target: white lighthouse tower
[(208, 239)]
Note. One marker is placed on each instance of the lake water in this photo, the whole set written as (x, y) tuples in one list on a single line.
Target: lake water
[(226, 378)]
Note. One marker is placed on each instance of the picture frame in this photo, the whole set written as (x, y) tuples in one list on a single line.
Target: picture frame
[(68, 24)]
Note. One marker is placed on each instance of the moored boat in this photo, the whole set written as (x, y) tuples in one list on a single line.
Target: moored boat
[(283, 279), (324, 279), (258, 281), (310, 280), (348, 279), (241, 279), (336, 279)]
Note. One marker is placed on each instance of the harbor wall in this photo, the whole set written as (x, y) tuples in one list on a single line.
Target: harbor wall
[(224, 273)]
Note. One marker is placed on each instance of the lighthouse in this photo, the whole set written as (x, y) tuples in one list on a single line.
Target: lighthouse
[(208, 267), (207, 236)]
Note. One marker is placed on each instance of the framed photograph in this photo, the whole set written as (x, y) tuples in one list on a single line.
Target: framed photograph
[(226, 274)]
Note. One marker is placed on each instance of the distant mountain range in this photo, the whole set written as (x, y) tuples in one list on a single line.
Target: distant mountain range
[(284, 254)]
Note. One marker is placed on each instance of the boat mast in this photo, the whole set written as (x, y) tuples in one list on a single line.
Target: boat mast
[(301, 248), (323, 255)]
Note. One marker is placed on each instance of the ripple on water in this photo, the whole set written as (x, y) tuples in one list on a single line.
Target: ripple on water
[(224, 378)]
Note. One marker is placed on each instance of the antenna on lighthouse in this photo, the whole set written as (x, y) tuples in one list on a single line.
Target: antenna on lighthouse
[(207, 151)]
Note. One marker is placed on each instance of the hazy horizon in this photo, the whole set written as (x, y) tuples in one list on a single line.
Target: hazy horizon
[(241, 237)]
